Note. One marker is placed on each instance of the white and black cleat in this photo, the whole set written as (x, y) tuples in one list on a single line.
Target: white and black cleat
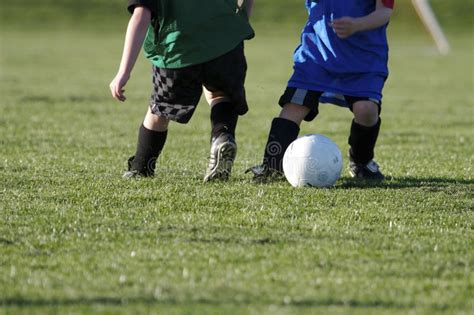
[(222, 156), (369, 171)]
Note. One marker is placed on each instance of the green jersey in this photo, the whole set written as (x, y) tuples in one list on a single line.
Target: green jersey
[(189, 32)]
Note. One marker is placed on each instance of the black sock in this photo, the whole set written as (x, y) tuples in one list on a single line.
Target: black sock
[(223, 119), (150, 144), (362, 141), (282, 133)]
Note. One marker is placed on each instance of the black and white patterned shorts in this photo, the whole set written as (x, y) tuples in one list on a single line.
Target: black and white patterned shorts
[(176, 92)]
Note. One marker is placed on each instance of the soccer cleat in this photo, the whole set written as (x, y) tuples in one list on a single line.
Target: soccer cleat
[(262, 173), (129, 162), (223, 152), (368, 171), (131, 173)]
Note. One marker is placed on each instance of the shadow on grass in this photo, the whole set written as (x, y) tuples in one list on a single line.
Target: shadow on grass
[(5, 241), (116, 301), (433, 184), (429, 183)]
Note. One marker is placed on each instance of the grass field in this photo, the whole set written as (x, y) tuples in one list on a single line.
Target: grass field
[(76, 238)]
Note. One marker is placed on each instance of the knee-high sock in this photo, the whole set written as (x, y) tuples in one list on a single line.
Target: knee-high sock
[(150, 144), (223, 119), (362, 140), (282, 133)]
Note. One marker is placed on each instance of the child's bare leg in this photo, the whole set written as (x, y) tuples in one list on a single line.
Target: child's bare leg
[(366, 113), (364, 131), (293, 112), (215, 97), (155, 122)]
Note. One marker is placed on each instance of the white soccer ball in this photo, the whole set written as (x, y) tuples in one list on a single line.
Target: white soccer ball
[(312, 160)]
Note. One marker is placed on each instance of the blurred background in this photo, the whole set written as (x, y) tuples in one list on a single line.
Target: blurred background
[(109, 15), (60, 21)]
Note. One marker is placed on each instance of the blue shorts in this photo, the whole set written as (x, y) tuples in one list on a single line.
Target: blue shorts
[(311, 100), (335, 85)]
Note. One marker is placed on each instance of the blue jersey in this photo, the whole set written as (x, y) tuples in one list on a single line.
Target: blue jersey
[(355, 66)]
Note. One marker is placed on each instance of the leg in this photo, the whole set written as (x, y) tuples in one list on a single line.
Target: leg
[(366, 113), (223, 115), (223, 82), (364, 131), (155, 122), (223, 145), (297, 105), (283, 132), (151, 140), (175, 95), (293, 112), (363, 137)]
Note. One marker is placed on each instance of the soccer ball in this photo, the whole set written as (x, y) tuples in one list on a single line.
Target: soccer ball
[(312, 160)]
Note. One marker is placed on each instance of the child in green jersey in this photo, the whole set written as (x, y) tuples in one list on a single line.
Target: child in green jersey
[(193, 46)]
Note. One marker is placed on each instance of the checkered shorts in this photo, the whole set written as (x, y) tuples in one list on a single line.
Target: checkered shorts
[(176, 92)]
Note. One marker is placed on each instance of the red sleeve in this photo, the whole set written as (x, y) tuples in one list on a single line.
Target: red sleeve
[(388, 3)]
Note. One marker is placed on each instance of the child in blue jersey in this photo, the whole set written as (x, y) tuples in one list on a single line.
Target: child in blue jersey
[(342, 59)]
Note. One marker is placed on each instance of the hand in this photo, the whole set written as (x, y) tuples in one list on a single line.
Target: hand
[(117, 84), (345, 26)]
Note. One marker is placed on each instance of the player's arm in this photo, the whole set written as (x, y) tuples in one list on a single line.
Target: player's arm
[(346, 26), (136, 32)]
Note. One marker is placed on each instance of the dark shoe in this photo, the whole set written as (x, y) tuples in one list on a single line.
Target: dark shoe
[(263, 174), (223, 152), (131, 173), (368, 171)]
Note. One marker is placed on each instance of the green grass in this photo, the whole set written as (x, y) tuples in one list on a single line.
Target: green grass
[(76, 238), (107, 14)]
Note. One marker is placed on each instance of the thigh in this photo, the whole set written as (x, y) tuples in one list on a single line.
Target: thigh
[(176, 92)]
